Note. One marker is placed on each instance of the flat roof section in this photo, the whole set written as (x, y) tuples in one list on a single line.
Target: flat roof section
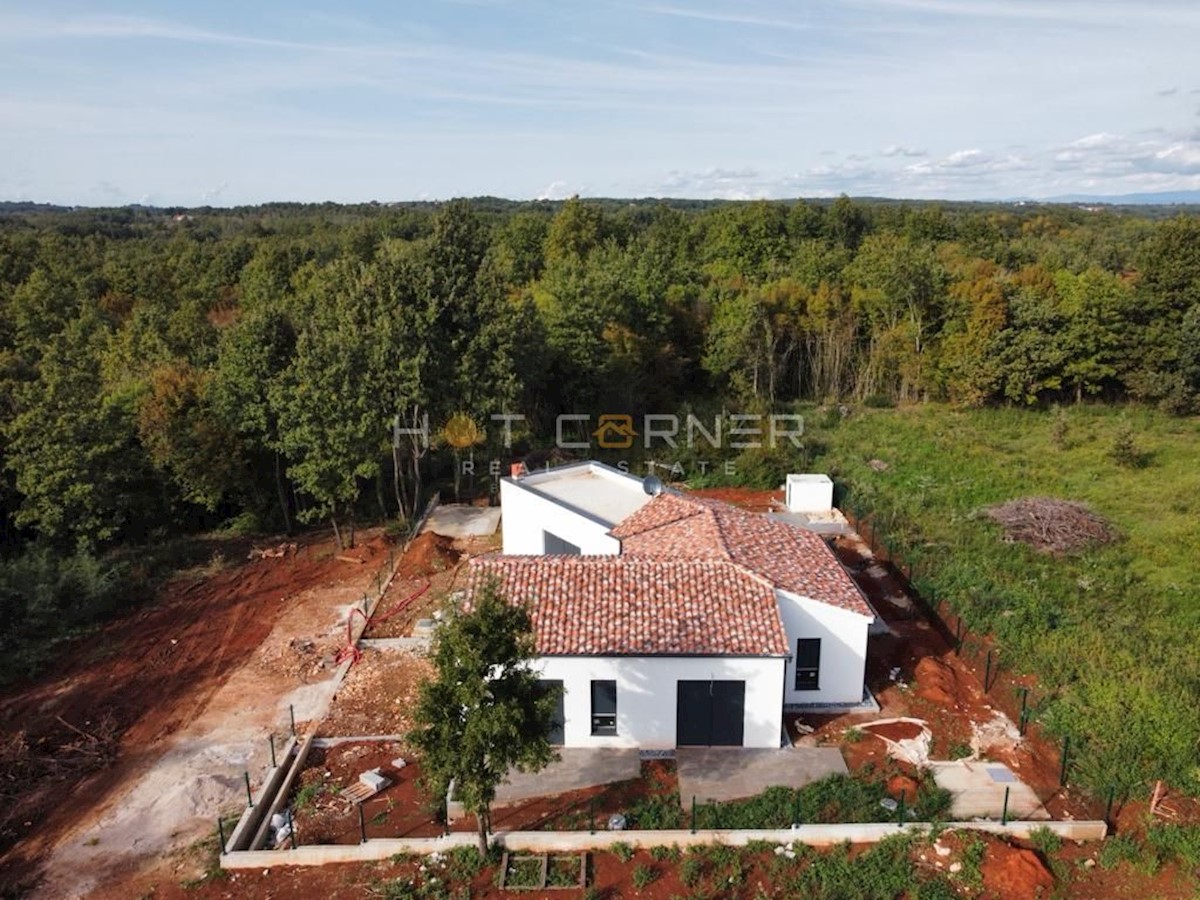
[(606, 494)]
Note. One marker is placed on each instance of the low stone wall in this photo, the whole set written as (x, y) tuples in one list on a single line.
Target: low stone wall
[(567, 841)]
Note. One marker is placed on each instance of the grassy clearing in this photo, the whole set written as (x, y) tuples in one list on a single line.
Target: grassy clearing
[(1111, 632)]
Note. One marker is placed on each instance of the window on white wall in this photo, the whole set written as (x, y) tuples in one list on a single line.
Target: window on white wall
[(604, 707), (554, 545), (808, 664)]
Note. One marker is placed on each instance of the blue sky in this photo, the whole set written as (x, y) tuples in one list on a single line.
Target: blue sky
[(222, 102)]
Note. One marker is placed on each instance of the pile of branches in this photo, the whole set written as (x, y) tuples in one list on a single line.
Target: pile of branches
[(1050, 525)]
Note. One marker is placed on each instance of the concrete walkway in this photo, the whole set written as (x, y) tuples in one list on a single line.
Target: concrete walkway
[(457, 520), (730, 773), (977, 789), (578, 768)]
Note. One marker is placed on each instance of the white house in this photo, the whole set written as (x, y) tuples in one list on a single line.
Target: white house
[(674, 620)]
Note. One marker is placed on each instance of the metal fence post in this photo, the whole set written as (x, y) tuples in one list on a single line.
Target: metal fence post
[(1066, 751), (1004, 812), (958, 636), (221, 835), (271, 741), (292, 828), (249, 796), (1108, 806), (693, 813), (900, 809), (362, 825), (292, 713)]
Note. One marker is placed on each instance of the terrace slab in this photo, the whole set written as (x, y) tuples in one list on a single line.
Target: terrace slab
[(576, 769), (731, 773), (977, 788), (458, 520)]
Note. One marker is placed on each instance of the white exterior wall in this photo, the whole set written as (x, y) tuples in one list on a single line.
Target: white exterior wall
[(647, 694), (526, 515), (843, 637), (808, 493)]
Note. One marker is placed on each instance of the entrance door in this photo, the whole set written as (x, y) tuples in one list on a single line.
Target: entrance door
[(556, 735), (710, 713)]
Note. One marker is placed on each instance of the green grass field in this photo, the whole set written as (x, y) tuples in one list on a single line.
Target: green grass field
[(1114, 633)]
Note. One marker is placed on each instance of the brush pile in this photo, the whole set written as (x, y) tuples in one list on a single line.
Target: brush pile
[(1049, 525)]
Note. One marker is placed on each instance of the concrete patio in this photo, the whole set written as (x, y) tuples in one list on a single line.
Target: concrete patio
[(577, 768), (730, 773), (977, 789)]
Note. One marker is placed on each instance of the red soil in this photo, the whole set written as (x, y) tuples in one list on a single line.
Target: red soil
[(152, 672)]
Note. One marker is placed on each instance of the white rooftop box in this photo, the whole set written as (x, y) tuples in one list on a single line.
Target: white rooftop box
[(809, 493)]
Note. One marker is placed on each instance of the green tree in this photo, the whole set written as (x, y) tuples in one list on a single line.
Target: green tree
[(484, 711), (72, 448)]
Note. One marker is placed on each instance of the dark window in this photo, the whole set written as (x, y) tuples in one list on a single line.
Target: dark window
[(557, 546), (604, 707), (808, 664)]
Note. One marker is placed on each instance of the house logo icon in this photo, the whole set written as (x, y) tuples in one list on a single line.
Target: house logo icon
[(615, 432)]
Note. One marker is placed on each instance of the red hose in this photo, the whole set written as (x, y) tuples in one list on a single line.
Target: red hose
[(351, 651)]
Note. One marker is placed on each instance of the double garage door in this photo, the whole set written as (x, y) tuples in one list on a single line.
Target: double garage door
[(710, 713)]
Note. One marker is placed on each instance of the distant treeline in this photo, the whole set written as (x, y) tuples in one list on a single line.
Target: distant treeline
[(163, 370)]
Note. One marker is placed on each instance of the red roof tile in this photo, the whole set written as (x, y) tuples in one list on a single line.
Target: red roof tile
[(677, 526), (618, 605)]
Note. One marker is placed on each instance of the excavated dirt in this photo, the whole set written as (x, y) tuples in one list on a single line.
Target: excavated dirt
[(191, 704), (378, 694), (746, 498)]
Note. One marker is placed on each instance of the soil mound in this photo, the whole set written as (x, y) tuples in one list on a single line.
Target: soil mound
[(1016, 873), (902, 786), (936, 681), (429, 554), (1050, 525)]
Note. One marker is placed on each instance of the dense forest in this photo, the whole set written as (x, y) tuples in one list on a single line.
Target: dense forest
[(166, 371)]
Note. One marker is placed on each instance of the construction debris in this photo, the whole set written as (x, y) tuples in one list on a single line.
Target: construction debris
[(1050, 525)]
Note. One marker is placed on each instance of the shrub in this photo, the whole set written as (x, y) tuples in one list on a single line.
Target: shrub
[(1118, 849), (656, 812), (1045, 841), (621, 850), (1124, 450), (879, 401), (643, 876), (691, 870), (1175, 842), (664, 853)]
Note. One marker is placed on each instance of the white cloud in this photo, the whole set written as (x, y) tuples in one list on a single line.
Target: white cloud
[(556, 190), (898, 150)]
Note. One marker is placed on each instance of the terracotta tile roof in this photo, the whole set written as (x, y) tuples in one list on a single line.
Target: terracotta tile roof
[(677, 526), (617, 605)]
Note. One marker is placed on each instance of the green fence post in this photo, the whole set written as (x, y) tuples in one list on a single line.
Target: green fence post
[(1066, 751), (362, 825), (221, 835), (292, 828), (958, 636), (693, 813), (1004, 812), (1109, 805), (900, 809), (249, 796), (292, 713), (271, 740)]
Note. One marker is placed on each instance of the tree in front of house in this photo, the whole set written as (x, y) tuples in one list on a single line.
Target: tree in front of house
[(484, 712)]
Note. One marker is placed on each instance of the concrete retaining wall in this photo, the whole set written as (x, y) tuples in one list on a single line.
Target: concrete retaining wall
[(566, 841)]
